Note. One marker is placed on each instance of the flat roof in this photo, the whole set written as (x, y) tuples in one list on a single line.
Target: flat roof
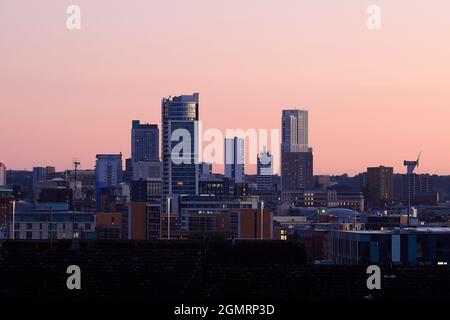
[(402, 230)]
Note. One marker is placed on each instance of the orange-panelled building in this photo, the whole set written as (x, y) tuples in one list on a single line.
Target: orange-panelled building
[(109, 226), (246, 224)]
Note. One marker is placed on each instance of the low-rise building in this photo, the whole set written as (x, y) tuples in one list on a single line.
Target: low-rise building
[(52, 221), (407, 246), (325, 199), (109, 225)]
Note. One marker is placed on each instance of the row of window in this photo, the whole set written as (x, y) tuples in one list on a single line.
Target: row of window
[(44, 235), (54, 226)]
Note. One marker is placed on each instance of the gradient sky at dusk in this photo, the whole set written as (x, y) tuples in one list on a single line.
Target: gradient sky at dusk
[(375, 97)]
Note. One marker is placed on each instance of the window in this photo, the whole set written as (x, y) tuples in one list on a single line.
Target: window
[(29, 235), (87, 226), (29, 226)]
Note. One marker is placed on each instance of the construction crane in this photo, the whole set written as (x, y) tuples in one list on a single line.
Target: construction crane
[(410, 167)]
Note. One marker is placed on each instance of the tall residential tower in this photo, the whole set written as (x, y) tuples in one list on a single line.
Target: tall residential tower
[(296, 155), (179, 116)]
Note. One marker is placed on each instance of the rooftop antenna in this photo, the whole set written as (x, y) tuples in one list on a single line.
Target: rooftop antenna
[(76, 162), (410, 167)]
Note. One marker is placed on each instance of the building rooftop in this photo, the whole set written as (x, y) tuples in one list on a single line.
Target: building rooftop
[(403, 230)]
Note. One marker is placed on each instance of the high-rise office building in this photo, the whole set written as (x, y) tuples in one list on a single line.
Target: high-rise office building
[(380, 187), (294, 126), (179, 116), (234, 159), (264, 171), (2, 174), (144, 142), (296, 155)]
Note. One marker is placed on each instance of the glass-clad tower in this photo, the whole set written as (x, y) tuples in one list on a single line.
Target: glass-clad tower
[(179, 116)]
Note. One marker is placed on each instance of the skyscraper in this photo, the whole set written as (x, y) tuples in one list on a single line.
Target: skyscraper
[(234, 159), (144, 142), (296, 155), (179, 116), (294, 124), (2, 174), (264, 171)]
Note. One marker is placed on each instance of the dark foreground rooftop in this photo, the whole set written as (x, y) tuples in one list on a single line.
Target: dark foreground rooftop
[(199, 270)]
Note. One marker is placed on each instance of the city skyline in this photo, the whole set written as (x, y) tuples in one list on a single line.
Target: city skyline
[(375, 97), (250, 168)]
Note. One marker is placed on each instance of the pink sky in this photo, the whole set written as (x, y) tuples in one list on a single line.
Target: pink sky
[(375, 97)]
